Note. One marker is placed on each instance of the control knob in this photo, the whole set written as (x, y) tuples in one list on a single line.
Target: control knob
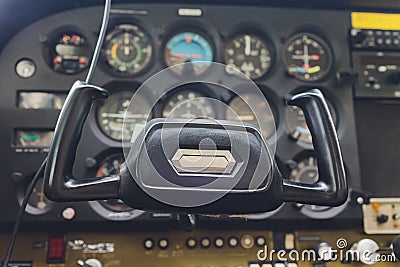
[(92, 262), (382, 218), (367, 251)]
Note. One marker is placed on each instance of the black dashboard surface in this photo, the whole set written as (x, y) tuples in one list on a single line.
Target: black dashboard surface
[(35, 37)]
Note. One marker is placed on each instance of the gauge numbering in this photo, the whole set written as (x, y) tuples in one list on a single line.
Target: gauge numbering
[(249, 54)]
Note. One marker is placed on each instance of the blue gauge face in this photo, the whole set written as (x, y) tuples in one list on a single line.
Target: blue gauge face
[(188, 47)]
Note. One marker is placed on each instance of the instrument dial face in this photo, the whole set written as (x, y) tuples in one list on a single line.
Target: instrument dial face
[(128, 49), (70, 53), (240, 111), (306, 171), (188, 105), (297, 126), (110, 167), (249, 54), (38, 203), (113, 209), (307, 57), (111, 113), (188, 47)]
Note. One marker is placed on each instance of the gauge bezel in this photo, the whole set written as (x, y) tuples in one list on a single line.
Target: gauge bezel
[(112, 215), (264, 215), (97, 207), (197, 29), (146, 30), (52, 40), (29, 208), (306, 210), (264, 37), (115, 88), (322, 42)]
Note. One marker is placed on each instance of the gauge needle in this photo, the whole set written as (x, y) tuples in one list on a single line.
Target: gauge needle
[(126, 40), (126, 50), (41, 198), (41, 204), (247, 48), (306, 57), (22, 141), (314, 57)]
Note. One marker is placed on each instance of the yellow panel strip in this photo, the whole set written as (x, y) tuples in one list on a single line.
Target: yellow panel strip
[(378, 21)]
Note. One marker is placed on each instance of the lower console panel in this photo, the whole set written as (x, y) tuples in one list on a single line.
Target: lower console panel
[(196, 248)]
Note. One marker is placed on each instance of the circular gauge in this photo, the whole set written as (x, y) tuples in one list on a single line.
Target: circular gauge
[(307, 57), (70, 53), (297, 125), (242, 109), (113, 209), (249, 54), (188, 105), (306, 171), (188, 47), (111, 113), (128, 49), (38, 203)]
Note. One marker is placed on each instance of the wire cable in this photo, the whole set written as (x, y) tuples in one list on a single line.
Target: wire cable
[(100, 40), (21, 212)]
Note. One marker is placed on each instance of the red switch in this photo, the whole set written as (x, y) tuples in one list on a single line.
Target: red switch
[(56, 249)]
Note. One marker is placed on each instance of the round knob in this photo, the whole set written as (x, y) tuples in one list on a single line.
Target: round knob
[(396, 247), (367, 250), (382, 218), (358, 36), (92, 262), (324, 251)]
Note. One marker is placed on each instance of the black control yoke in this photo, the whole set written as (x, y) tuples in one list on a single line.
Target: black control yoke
[(167, 169)]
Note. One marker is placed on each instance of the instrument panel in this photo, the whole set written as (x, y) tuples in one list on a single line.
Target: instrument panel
[(280, 56)]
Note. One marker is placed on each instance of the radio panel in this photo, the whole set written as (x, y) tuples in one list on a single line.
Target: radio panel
[(376, 60), (378, 74), (382, 216)]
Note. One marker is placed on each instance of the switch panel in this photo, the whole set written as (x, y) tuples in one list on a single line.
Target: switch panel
[(382, 216)]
